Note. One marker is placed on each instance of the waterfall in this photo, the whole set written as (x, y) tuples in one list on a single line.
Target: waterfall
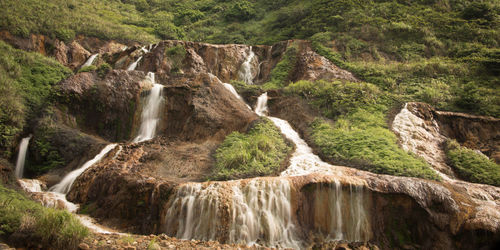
[(29, 185), (193, 212), (303, 160), (259, 211), (150, 116), (134, 64), (341, 215), (90, 60), (262, 213), (245, 72), (233, 91), (21, 156), (64, 186), (58, 201), (261, 107)]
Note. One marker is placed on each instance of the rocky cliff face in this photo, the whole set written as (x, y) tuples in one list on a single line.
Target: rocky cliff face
[(158, 185), (108, 107)]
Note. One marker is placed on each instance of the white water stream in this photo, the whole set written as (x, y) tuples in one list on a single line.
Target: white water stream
[(134, 64), (233, 91), (245, 72), (56, 197), (260, 212), (21, 156), (64, 186), (150, 116), (90, 61), (303, 160), (261, 209)]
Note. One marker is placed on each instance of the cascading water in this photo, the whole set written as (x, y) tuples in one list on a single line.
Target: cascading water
[(233, 91), (64, 186), (134, 64), (339, 214), (90, 61), (150, 116), (303, 161), (261, 212), (245, 72), (21, 156), (193, 212), (58, 201), (56, 198), (261, 106)]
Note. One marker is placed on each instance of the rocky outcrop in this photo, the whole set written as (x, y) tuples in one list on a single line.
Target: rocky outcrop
[(200, 108), (71, 54), (59, 146), (174, 57), (475, 132), (108, 107)]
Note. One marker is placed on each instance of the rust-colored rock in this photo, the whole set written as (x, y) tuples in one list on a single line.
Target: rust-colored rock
[(200, 108), (106, 107)]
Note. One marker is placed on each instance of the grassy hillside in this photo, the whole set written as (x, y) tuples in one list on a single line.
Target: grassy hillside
[(26, 85), (444, 52)]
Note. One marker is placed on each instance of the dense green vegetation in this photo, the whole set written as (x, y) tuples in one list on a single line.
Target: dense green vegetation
[(444, 52), (49, 227), (259, 152), (26, 84), (282, 71), (471, 165), (360, 136)]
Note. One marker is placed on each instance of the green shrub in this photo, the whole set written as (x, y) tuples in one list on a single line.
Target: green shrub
[(49, 227), (241, 10), (471, 165), (87, 68), (280, 74), (103, 70), (259, 152)]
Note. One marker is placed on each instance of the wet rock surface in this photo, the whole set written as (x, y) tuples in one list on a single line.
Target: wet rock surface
[(134, 186), (108, 107)]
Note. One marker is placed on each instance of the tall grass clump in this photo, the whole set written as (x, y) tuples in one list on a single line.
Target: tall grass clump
[(46, 226), (471, 165), (259, 152)]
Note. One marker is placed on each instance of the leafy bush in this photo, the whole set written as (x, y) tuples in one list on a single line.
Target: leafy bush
[(49, 227), (259, 152), (471, 165), (240, 11)]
